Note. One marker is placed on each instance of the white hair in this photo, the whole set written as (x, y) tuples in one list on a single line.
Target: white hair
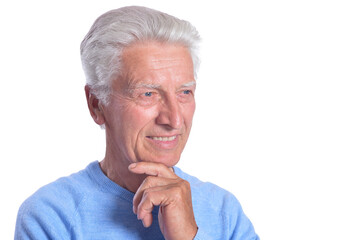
[(102, 47)]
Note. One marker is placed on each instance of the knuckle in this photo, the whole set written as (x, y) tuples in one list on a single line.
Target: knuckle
[(178, 194), (179, 191), (141, 209), (148, 180), (147, 193), (185, 185)]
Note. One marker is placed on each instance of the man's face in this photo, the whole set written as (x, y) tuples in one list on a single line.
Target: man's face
[(151, 107)]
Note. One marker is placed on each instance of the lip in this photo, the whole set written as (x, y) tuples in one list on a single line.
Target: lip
[(164, 142)]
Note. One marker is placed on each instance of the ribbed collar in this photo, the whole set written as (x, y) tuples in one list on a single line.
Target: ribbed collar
[(107, 185)]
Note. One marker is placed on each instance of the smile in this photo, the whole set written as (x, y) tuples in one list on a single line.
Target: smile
[(164, 139)]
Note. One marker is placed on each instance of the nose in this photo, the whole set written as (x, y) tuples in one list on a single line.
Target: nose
[(170, 114)]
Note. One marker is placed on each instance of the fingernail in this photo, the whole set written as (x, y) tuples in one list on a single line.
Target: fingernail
[(133, 165)]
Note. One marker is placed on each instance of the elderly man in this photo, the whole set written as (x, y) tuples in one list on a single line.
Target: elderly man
[(140, 66)]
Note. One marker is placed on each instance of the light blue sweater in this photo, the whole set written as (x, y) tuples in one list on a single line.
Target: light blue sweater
[(88, 205)]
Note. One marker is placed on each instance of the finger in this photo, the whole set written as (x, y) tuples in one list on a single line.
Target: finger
[(147, 219), (152, 169), (150, 182), (151, 197)]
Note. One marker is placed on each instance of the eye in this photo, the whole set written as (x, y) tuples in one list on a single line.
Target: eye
[(148, 94), (147, 98), (186, 95)]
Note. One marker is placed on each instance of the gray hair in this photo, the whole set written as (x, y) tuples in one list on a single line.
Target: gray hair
[(102, 47)]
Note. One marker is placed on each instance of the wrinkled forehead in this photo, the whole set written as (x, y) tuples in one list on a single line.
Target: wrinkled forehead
[(155, 64)]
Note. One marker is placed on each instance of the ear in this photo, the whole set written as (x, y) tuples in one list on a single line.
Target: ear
[(94, 106)]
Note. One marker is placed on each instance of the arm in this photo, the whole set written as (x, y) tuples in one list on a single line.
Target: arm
[(240, 226), (224, 219), (40, 221)]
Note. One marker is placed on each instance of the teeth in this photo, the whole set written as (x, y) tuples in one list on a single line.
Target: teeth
[(164, 138)]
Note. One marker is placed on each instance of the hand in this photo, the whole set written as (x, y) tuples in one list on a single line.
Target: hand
[(165, 189)]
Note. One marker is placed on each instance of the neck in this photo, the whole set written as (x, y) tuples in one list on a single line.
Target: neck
[(116, 169)]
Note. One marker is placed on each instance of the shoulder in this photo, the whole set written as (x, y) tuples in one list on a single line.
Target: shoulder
[(51, 209), (209, 193), (218, 213), (68, 189)]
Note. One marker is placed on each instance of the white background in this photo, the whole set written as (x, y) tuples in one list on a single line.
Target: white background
[(278, 107)]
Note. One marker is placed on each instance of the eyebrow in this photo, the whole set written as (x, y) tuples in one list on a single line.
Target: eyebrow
[(148, 85), (189, 84), (158, 86)]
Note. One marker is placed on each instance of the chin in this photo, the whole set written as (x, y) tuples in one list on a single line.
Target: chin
[(166, 160)]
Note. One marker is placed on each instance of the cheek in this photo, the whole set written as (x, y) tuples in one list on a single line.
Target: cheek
[(189, 112), (138, 118)]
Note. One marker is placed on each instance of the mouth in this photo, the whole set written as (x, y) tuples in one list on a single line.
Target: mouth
[(164, 142), (163, 139)]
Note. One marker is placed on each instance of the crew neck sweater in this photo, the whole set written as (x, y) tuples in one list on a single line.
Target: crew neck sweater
[(88, 205)]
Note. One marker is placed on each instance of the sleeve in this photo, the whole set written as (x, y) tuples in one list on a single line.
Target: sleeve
[(202, 235), (38, 220), (240, 227), (232, 223)]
